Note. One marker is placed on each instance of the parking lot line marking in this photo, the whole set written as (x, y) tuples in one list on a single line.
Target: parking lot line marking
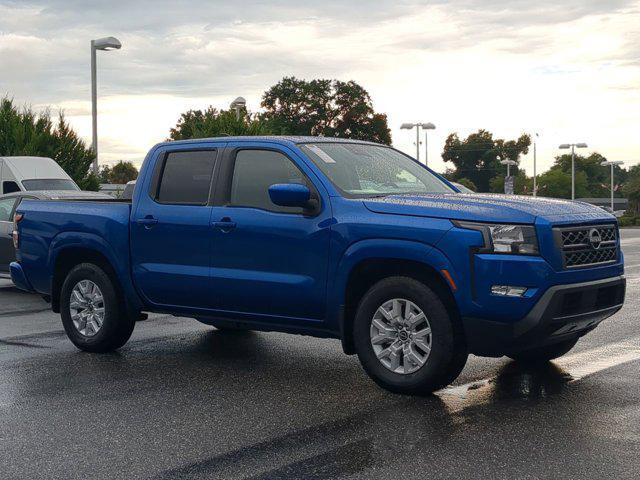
[(581, 364), (571, 368)]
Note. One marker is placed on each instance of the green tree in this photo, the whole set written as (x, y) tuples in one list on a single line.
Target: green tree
[(478, 156), (105, 174), (468, 183), (631, 189), (23, 132), (330, 108), (598, 176), (121, 173), (557, 184), (218, 123)]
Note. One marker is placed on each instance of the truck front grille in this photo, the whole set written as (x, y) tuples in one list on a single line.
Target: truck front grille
[(588, 246)]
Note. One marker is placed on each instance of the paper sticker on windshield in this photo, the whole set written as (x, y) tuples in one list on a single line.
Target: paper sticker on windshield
[(321, 153)]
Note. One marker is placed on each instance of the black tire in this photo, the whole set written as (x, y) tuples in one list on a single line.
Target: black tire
[(545, 353), (448, 353), (117, 326)]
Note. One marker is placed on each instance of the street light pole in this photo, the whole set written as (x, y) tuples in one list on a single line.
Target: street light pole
[(106, 43), (237, 105), (573, 172), (535, 176), (612, 164), (573, 146), (508, 163), (94, 109), (425, 126)]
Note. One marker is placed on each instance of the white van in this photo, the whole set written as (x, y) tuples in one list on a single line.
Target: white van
[(20, 174)]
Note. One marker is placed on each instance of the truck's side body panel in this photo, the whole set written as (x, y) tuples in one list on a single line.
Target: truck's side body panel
[(220, 260), (280, 258), (52, 227), (171, 243)]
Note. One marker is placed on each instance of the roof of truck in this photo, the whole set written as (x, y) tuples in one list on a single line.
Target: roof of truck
[(284, 139)]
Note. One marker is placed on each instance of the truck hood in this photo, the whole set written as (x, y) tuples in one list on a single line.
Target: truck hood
[(487, 208)]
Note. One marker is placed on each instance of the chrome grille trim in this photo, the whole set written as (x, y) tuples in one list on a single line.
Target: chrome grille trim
[(578, 250)]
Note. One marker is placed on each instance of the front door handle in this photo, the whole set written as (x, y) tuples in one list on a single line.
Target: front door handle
[(148, 221), (225, 225)]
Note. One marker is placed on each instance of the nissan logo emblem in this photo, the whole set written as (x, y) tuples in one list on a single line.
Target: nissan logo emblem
[(595, 239)]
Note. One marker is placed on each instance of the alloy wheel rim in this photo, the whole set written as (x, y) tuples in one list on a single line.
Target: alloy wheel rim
[(87, 308), (401, 336)]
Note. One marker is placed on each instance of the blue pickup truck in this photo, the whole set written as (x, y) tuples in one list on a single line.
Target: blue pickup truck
[(331, 238)]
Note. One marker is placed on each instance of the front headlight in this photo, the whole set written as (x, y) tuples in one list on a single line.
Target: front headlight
[(505, 238)]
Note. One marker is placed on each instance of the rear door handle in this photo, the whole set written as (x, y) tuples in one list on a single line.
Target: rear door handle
[(147, 221), (225, 225)]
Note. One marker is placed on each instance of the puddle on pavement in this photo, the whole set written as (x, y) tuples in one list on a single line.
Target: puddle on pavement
[(533, 381)]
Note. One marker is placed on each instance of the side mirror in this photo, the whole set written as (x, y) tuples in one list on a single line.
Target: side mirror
[(290, 195)]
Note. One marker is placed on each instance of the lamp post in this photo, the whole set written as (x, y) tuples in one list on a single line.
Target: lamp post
[(535, 176), (612, 164), (426, 126), (573, 146), (237, 105), (106, 43), (508, 163)]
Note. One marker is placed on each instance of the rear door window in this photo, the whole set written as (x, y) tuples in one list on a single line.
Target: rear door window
[(186, 177)]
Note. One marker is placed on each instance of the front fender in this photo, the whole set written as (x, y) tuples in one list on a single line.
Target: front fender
[(380, 249)]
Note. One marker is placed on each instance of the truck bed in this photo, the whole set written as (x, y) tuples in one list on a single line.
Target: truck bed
[(51, 225)]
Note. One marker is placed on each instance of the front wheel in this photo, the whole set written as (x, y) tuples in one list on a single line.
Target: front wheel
[(545, 353), (93, 314), (405, 338)]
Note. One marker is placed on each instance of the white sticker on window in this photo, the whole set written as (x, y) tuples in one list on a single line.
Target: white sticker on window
[(321, 153)]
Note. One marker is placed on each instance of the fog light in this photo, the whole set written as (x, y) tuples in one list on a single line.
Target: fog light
[(508, 290)]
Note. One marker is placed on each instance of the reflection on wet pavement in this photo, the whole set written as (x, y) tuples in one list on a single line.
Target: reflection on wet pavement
[(205, 389), (388, 433)]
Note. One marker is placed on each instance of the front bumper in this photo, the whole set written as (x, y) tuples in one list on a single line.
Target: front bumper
[(19, 278), (563, 311)]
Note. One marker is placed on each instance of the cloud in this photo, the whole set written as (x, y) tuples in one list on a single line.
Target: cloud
[(207, 48), (466, 64)]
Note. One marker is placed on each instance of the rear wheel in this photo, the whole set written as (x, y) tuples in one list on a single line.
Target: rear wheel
[(545, 353), (406, 339), (93, 314)]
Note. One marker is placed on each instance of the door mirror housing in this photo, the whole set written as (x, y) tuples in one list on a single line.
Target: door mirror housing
[(290, 195)]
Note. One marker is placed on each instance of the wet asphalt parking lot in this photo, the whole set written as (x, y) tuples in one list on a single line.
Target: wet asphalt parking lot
[(184, 401)]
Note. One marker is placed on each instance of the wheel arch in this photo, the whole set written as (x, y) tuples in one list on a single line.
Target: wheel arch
[(69, 258), (368, 264), (69, 249)]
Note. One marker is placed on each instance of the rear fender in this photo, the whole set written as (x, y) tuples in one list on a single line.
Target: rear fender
[(92, 242)]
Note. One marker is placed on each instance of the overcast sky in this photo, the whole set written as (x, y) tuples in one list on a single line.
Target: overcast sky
[(568, 70)]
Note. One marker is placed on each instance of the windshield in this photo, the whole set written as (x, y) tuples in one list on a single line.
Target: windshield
[(359, 170), (49, 184)]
